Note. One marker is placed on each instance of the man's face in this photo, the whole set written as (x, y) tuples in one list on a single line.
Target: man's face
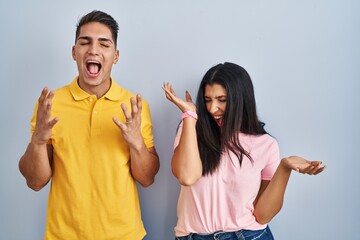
[(95, 53)]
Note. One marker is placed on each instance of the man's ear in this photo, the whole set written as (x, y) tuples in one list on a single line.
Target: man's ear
[(73, 52), (117, 55)]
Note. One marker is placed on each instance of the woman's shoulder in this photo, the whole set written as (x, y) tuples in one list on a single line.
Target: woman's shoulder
[(260, 139)]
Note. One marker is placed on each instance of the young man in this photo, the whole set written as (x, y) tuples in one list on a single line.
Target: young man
[(93, 143)]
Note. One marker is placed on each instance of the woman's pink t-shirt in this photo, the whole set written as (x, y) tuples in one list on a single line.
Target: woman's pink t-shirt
[(224, 199)]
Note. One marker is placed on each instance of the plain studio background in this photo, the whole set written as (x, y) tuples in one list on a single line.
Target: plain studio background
[(303, 57)]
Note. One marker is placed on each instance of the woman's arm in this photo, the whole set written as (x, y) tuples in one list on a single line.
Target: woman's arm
[(186, 163), (271, 195)]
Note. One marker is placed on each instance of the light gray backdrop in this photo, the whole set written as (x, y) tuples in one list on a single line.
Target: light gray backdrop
[(304, 59)]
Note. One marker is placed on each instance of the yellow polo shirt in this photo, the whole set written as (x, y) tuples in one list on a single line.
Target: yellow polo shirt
[(93, 195)]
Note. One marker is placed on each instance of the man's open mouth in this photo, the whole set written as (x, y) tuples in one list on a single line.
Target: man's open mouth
[(93, 67)]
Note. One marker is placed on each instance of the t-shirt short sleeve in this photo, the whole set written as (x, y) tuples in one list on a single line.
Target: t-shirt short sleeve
[(146, 125), (273, 161), (178, 135)]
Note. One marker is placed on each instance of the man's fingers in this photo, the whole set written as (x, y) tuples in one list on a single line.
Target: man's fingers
[(134, 108), (43, 94), (50, 96), (44, 109), (136, 104), (126, 112), (121, 125), (45, 99), (53, 122), (139, 102), (46, 95)]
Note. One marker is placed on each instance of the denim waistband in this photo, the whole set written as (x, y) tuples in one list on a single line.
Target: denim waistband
[(262, 234)]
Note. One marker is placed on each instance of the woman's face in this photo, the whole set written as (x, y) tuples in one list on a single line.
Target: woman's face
[(215, 100)]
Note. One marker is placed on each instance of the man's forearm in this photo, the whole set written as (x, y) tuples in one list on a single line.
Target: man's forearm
[(144, 164), (35, 166)]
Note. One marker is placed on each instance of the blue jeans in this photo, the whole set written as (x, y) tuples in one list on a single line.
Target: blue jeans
[(263, 234)]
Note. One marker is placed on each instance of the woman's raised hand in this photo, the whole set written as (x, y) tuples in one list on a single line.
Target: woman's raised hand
[(184, 106)]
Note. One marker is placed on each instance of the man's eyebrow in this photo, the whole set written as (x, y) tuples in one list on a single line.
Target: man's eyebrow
[(102, 39), (105, 40), (84, 38)]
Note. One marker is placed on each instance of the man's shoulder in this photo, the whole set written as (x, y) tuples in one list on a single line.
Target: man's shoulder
[(65, 89), (124, 93), (119, 88), (67, 86)]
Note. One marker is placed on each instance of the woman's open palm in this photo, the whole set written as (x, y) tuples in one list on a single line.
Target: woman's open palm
[(184, 106)]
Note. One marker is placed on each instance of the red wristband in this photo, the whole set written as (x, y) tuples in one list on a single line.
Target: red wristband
[(189, 114)]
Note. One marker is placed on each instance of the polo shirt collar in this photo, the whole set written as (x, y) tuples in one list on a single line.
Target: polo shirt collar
[(113, 94)]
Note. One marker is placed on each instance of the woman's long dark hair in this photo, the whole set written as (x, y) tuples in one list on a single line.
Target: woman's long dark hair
[(240, 116)]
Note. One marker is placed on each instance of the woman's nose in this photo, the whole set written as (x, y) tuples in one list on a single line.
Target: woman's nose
[(213, 107)]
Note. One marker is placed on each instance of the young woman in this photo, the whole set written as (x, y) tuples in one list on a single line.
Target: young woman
[(232, 179)]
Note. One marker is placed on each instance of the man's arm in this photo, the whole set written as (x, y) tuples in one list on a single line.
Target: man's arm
[(144, 162), (35, 164)]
